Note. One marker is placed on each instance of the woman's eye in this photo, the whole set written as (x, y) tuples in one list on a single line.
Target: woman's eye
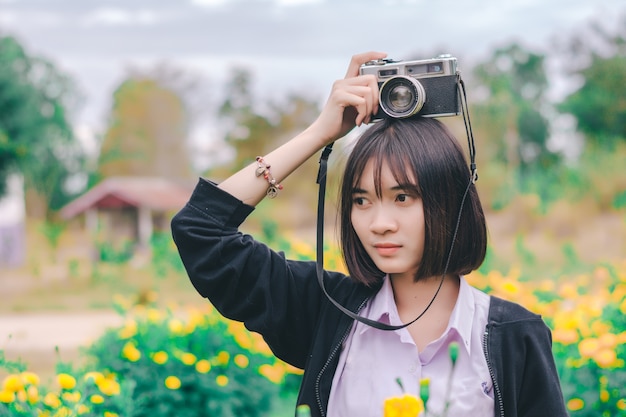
[(359, 201), (402, 197)]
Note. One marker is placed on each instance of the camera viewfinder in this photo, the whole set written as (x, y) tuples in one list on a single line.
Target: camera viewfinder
[(388, 72)]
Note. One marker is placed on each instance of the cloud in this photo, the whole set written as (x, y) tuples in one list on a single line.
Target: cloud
[(208, 3), (296, 2), (121, 17)]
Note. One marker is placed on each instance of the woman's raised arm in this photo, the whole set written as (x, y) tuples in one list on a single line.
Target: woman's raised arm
[(351, 102)]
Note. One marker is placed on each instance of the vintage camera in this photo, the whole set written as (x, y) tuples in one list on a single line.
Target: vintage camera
[(408, 88)]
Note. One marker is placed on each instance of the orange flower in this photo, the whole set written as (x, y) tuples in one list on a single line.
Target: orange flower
[(575, 404)]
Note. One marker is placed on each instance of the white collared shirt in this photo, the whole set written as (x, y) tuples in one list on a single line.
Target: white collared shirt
[(371, 360)]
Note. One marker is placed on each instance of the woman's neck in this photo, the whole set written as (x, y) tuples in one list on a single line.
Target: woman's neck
[(413, 297)]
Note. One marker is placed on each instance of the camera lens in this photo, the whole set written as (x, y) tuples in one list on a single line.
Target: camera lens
[(402, 97)]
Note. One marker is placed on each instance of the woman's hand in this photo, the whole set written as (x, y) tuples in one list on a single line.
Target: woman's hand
[(352, 101)]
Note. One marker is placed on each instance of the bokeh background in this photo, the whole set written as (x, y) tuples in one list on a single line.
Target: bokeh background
[(110, 110)]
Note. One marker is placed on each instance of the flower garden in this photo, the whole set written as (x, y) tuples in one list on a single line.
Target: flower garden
[(189, 361)]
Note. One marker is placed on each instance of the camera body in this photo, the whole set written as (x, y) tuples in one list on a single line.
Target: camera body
[(409, 88)]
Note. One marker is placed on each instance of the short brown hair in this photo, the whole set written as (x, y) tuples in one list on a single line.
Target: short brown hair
[(423, 150)]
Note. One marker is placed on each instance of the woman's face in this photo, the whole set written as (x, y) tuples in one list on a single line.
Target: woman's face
[(390, 227)]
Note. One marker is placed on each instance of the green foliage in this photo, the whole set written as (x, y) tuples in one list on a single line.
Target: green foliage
[(36, 138), (116, 254), (165, 257), (598, 105), (190, 367), (75, 392), (619, 202), (52, 231), (515, 79)]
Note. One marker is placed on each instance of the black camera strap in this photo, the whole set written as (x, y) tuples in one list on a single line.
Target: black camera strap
[(321, 180)]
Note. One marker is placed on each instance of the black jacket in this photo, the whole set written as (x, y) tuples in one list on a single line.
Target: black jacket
[(281, 300)]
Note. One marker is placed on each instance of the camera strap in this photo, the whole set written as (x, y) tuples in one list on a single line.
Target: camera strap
[(321, 181)]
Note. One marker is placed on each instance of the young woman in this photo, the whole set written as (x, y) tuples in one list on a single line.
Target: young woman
[(401, 193)]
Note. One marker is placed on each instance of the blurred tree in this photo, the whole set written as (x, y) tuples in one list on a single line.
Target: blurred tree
[(147, 135), (36, 138), (514, 81), (247, 132), (251, 133), (600, 63)]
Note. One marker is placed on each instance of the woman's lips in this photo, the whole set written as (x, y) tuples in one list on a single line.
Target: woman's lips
[(387, 249)]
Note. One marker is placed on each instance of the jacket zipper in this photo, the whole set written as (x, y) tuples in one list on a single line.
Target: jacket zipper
[(330, 357), (496, 387)]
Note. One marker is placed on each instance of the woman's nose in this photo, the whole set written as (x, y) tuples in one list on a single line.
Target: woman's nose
[(382, 220)]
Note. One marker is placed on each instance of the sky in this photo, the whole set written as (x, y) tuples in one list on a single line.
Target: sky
[(287, 45)]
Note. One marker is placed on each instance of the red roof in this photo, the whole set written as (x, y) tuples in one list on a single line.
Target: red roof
[(157, 194)]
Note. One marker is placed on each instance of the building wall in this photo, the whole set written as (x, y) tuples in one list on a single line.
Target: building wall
[(12, 223)]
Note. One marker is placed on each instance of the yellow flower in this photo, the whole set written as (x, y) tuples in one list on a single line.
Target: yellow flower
[(130, 352), (565, 336), (110, 414), (274, 373), (30, 378), (7, 397), (32, 394), (605, 358), (52, 400), (172, 382), (222, 358), (203, 366), (21, 396), (82, 409), (129, 329), (66, 381), (404, 406), (188, 358), (176, 326), (604, 396), (575, 404), (160, 357), (587, 347), (96, 399), (599, 327), (424, 389), (63, 412), (72, 397), (621, 404), (608, 340), (221, 380), (96, 377), (13, 383), (155, 315), (241, 361), (109, 387)]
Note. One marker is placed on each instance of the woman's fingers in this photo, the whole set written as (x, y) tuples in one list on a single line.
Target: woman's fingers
[(360, 59), (352, 100), (358, 92)]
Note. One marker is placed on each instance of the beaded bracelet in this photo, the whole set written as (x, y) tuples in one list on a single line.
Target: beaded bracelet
[(264, 170)]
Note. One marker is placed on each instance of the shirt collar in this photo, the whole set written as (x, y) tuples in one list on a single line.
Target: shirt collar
[(462, 316), (383, 308)]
